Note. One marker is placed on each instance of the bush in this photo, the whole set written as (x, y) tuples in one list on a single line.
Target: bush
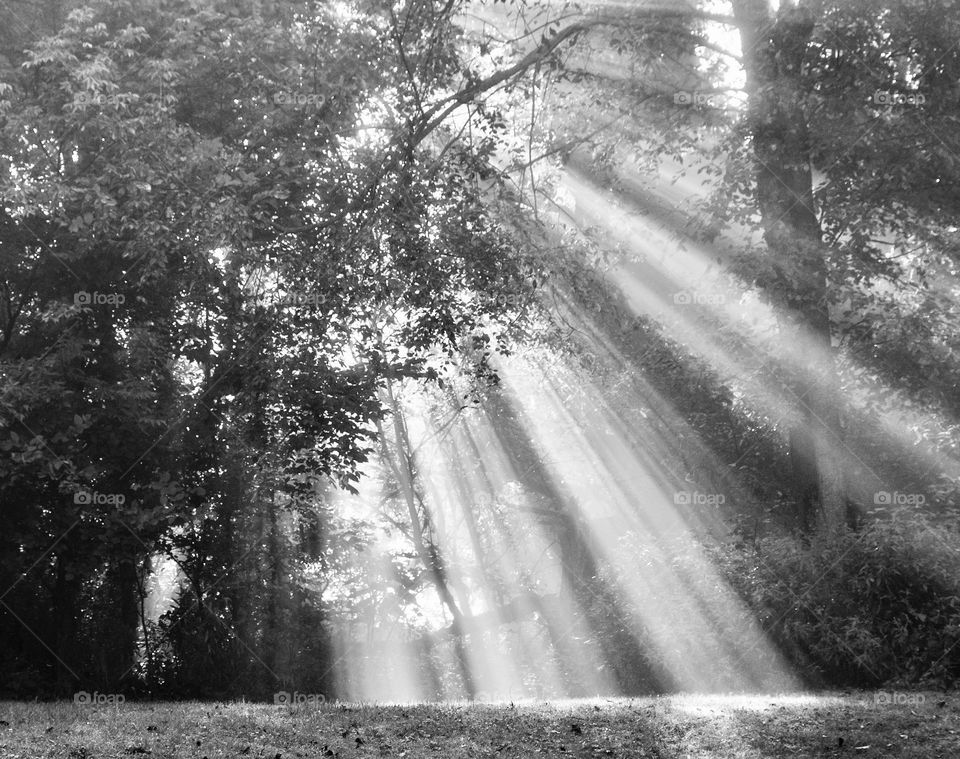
[(664, 621), (877, 606)]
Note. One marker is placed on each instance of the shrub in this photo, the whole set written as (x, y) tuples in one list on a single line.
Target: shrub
[(881, 605)]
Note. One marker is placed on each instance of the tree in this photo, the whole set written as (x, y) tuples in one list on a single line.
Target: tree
[(832, 252), (774, 47), (199, 172)]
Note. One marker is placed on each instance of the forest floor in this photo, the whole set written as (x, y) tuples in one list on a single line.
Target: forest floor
[(865, 724)]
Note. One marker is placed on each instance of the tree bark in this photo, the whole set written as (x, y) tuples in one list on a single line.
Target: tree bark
[(427, 550), (66, 592), (773, 49)]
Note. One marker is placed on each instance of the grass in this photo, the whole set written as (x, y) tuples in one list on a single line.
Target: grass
[(916, 725)]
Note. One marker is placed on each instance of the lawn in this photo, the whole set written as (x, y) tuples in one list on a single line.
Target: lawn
[(865, 724)]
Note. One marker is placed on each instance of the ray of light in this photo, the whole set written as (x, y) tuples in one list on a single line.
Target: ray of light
[(515, 577), (542, 495), (663, 266), (375, 656), (707, 640)]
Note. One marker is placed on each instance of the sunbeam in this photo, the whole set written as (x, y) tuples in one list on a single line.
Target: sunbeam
[(534, 502), (681, 283)]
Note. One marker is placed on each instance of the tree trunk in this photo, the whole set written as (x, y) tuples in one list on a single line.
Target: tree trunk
[(122, 648), (66, 592), (275, 635), (773, 50), (427, 550)]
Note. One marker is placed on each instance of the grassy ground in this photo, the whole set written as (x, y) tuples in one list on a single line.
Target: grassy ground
[(857, 725)]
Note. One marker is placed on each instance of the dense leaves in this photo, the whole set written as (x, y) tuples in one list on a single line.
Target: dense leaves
[(222, 231), (879, 607)]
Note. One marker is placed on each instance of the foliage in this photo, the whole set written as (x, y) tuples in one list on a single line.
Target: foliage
[(226, 229), (877, 607)]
